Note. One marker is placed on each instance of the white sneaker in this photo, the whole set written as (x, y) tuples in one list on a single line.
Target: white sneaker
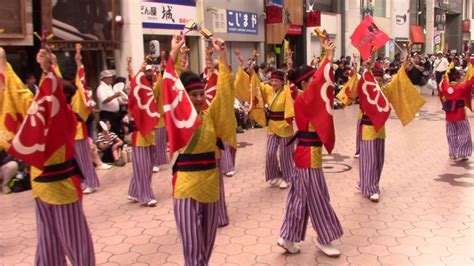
[(329, 250), (151, 203), (275, 182), (375, 197), (88, 190), (132, 199), (229, 174), (289, 246), (104, 166), (156, 169), (284, 184)]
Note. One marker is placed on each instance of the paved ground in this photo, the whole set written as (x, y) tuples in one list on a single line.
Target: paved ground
[(425, 216)]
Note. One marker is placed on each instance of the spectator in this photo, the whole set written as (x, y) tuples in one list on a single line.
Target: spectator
[(262, 72), (108, 101), (440, 66), (99, 165), (239, 115), (30, 82), (109, 145), (395, 65), (8, 170)]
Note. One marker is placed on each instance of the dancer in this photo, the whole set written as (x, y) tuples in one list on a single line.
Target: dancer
[(82, 150), (61, 224), (406, 101), (196, 179), (146, 117), (455, 98), (309, 196)]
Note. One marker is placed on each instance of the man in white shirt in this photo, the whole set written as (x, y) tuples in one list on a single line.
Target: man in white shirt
[(440, 66), (108, 101)]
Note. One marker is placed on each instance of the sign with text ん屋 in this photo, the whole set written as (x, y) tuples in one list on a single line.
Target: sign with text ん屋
[(167, 14), (219, 21), (242, 22)]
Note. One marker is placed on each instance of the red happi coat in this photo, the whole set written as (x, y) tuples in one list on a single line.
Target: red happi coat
[(313, 114), (453, 95)]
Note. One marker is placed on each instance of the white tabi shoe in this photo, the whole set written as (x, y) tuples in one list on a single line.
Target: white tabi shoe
[(132, 199), (375, 197), (104, 166), (289, 246), (88, 190), (275, 182), (156, 169), (329, 250), (230, 174), (356, 156), (151, 203), (284, 184)]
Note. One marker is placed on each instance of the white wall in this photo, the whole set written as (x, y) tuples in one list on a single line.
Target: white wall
[(353, 19), (332, 24)]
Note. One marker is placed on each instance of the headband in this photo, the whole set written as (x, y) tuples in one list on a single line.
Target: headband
[(305, 76), (277, 76), (195, 86)]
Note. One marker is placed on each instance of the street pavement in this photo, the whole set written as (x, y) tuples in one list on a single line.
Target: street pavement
[(425, 215)]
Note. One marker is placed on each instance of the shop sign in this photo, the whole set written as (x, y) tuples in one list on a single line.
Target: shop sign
[(242, 22), (278, 3), (167, 14), (220, 21), (466, 27), (295, 30), (400, 22)]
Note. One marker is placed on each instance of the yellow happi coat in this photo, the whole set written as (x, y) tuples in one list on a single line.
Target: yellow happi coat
[(280, 101), (217, 122)]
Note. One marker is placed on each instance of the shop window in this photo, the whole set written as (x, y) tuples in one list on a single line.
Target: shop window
[(12, 19), (380, 7)]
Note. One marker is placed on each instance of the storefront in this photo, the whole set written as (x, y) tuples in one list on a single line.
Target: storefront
[(161, 19), (240, 24)]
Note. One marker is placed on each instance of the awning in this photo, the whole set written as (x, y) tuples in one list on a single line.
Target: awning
[(417, 34)]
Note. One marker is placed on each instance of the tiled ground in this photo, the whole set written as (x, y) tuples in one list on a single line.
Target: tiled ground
[(425, 216)]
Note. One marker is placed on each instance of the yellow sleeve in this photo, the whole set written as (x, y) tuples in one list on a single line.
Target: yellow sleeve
[(221, 109), (289, 105), (242, 85), (267, 92)]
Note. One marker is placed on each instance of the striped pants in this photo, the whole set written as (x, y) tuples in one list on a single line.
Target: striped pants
[(459, 138), (272, 167), (309, 196), (222, 213), (140, 185), (227, 160), (372, 153), (63, 231), (82, 154), (197, 227), (161, 156)]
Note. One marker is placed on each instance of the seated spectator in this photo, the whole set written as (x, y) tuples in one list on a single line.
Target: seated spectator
[(99, 165), (109, 145), (8, 170)]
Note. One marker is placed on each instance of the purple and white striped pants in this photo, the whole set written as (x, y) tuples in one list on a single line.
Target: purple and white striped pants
[(286, 167), (82, 154), (197, 227), (222, 213), (309, 197), (62, 231), (161, 156), (372, 154), (227, 160), (459, 138), (140, 185)]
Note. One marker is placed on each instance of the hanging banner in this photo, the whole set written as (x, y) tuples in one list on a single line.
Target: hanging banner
[(274, 14), (242, 22), (400, 25), (219, 21), (313, 19), (277, 3)]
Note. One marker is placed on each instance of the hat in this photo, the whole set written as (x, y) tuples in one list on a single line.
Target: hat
[(106, 74), (148, 67), (439, 52)]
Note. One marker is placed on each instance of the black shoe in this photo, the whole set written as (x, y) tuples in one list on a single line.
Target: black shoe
[(240, 130), (119, 163)]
